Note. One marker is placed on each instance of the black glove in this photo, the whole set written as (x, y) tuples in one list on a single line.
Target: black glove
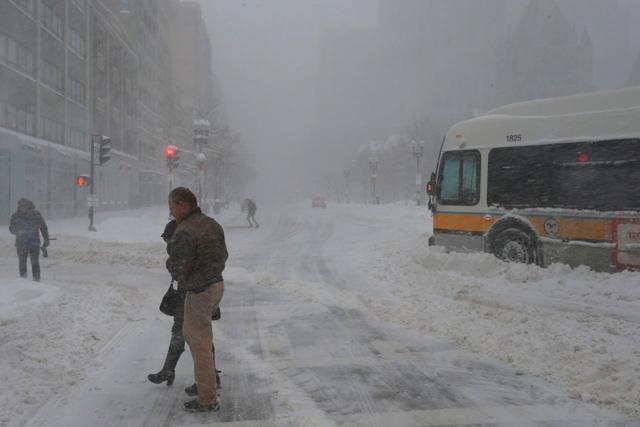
[(169, 229), (45, 243)]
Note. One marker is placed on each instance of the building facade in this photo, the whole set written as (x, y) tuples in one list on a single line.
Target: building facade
[(70, 69), (425, 59), (544, 56), (634, 79)]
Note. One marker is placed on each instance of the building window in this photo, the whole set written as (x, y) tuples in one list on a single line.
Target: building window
[(82, 4), (76, 42), (25, 60), (51, 20), (28, 6), (76, 138), (51, 130), (12, 52), (16, 118), (16, 55), (77, 91), (3, 48), (52, 76), (11, 117)]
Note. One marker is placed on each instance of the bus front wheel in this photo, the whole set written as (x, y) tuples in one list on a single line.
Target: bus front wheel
[(514, 245)]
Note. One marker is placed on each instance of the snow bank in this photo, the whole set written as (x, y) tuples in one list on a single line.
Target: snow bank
[(18, 297), (573, 327)]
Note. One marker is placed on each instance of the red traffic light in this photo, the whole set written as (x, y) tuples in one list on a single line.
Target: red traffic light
[(170, 150), (82, 180)]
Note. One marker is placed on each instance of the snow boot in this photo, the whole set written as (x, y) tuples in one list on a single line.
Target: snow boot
[(192, 390), (162, 376), (195, 406)]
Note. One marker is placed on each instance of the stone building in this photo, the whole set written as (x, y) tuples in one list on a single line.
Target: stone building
[(70, 69), (431, 59), (544, 56)]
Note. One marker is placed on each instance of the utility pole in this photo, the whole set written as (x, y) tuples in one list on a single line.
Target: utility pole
[(92, 174), (417, 148)]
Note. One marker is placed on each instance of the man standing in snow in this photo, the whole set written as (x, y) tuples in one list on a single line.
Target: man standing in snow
[(27, 224), (197, 255)]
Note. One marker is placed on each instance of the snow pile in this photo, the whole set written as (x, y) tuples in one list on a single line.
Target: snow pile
[(574, 327), (19, 297), (51, 332)]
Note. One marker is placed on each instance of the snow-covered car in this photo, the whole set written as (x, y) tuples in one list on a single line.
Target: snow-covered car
[(319, 202)]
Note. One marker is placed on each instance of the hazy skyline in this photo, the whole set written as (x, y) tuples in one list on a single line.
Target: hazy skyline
[(265, 55), (266, 60)]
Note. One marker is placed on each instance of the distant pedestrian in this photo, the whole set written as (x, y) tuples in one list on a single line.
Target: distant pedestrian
[(27, 224), (197, 256), (251, 213)]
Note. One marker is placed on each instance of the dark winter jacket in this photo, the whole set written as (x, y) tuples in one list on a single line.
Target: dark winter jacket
[(27, 227), (251, 207), (197, 252)]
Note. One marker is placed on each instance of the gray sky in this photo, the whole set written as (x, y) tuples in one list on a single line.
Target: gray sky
[(265, 59)]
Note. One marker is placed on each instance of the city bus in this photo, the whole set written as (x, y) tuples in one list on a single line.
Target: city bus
[(544, 181)]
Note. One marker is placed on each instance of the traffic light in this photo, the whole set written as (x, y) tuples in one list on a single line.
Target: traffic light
[(173, 156), (82, 180), (105, 147)]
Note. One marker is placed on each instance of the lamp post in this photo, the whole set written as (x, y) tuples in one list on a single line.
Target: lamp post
[(373, 167), (417, 148), (347, 174), (201, 131), (201, 160)]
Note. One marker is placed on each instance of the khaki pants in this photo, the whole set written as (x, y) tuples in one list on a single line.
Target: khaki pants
[(198, 333)]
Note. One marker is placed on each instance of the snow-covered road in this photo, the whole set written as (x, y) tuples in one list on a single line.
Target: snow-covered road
[(340, 316)]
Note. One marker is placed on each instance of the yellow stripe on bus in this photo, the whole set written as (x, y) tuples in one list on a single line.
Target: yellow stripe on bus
[(569, 228), (475, 223)]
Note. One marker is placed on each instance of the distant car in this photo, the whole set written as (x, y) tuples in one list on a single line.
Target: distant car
[(318, 202)]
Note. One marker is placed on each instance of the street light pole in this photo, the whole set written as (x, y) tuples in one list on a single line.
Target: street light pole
[(104, 147), (347, 173), (201, 160), (201, 130), (418, 152), (91, 181), (373, 167)]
